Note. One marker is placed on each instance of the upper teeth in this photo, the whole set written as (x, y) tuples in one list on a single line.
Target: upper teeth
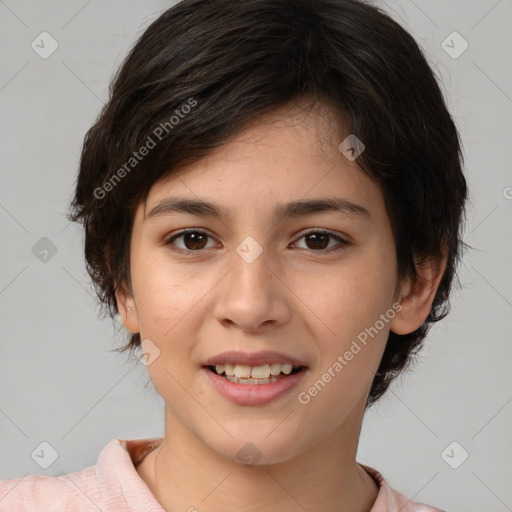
[(257, 372)]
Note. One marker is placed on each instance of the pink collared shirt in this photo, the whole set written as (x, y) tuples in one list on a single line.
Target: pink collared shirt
[(113, 485)]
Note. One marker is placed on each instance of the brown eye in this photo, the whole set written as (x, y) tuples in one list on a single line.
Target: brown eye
[(191, 240), (319, 241), (194, 241), (316, 241)]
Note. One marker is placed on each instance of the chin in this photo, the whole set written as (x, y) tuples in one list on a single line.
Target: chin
[(262, 449)]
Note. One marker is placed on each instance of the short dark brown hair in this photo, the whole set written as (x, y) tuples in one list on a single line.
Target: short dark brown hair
[(205, 69)]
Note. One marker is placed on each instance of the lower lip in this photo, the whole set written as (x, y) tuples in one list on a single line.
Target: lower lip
[(253, 394)]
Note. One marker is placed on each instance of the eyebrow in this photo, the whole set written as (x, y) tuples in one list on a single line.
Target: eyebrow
[(284, 210)]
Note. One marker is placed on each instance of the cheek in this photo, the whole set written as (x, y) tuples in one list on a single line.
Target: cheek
[(351, 350), (171, 302), (354, 298), (164, 296), (351, 303), (165, 309)]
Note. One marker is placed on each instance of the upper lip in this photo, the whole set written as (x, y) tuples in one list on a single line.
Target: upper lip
[(253, 359)]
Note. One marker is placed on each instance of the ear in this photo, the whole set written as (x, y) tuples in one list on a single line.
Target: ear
[(416, 298), (127, 309)]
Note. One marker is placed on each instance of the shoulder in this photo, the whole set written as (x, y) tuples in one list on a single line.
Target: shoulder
[(390, 500), (112, 484), (37, 493)]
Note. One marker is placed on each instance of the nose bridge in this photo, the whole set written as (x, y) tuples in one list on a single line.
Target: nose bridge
[(251, 294), (251, 267)]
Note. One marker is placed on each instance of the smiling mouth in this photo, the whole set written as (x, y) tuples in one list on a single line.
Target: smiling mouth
[(263, 374)]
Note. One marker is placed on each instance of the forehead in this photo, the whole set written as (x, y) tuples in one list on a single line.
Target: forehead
[(313, 130), (288, 154)]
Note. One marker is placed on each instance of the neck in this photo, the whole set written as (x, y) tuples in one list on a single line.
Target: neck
[(185, 474)]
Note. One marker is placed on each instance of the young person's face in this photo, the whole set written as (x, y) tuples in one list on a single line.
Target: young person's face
[(201, 296)]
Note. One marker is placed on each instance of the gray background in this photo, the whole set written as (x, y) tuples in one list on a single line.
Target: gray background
[(60, 383)]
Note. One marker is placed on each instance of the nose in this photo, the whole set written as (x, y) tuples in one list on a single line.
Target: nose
[(253, 296)]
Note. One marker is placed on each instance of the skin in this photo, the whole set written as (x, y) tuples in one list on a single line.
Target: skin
[(297, 297)]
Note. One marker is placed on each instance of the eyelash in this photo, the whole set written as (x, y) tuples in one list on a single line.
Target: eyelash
[(343, 243)]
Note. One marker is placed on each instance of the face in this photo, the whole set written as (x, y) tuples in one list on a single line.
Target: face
[(306, 283)]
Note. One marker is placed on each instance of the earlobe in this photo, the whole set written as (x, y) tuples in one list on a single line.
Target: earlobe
[(417, 299), (127, 310)]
